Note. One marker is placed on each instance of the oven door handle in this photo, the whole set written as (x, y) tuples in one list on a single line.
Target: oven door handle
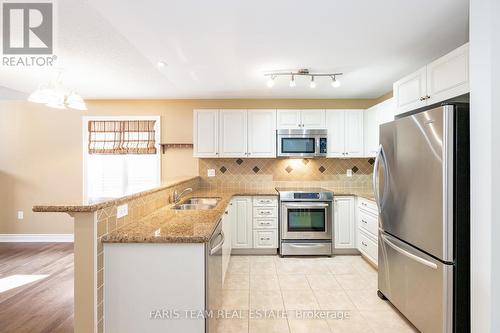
[(308, 205)]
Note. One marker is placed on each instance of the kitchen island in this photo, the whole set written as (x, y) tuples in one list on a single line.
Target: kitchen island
[(149, 223)]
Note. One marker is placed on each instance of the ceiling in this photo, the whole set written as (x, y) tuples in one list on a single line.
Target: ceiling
[(221, 48)]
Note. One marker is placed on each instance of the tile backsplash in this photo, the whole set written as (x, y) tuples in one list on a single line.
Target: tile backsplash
[(260, 173)]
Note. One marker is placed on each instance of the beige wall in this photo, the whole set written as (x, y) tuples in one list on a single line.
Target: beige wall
[(41, 150)]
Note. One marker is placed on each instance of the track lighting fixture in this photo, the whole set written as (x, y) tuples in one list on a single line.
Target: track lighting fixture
[(301, 72)]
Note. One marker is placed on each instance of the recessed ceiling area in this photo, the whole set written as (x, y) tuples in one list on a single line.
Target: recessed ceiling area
[(222, 48)]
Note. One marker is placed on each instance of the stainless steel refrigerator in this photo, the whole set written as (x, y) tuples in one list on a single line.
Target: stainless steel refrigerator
[(421, 181)]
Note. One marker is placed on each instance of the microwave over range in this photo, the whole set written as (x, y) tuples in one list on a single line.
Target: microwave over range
[(301, 142)]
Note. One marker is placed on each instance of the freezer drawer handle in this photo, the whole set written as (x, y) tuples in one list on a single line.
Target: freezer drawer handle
[(408, 254), (218, 246)]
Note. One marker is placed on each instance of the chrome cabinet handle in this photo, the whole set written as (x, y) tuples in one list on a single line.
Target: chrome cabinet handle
[(427, 97), (364, 244), (265, 239), (364, 221), (422, 99)]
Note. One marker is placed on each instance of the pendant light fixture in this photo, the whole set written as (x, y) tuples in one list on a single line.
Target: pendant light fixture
[(54, 95)]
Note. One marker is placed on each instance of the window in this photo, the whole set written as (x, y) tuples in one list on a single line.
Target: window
[(120, 156)]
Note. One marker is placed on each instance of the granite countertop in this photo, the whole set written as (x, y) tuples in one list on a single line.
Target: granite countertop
[(94, 206), (167, 225)]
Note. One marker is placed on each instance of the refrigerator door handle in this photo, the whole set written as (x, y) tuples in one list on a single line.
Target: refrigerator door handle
[(375, 177), (408, 254), (380, 157)]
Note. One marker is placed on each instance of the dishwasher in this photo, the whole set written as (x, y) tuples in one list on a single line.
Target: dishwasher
[(213, 278)]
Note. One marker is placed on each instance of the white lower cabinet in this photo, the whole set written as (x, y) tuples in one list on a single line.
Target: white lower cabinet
[(367, 230), (254, 222), (344, 222), (265, 238), (241, 219)]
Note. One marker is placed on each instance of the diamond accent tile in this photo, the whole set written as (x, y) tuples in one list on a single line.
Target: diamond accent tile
[(223, 169), (322, 169), (305, 161), (239, 161), (355, 169), (371, 161), (255, 169), (288, 169)]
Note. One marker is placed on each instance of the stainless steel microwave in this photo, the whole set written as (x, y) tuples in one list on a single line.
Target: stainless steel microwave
[(301, 142)]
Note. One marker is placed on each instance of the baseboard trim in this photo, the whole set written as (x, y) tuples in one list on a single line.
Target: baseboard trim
[(28, 238)]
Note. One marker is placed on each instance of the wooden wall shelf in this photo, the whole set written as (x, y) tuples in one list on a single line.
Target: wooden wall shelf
[(165, 146)]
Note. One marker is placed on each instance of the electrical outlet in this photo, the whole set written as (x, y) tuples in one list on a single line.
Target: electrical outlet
[(348, 172), (20, 215), (121, 211), (211, 173)]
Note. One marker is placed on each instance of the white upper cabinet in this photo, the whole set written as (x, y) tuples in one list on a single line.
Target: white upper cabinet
[(313, 119), (288, 119), (410, 91), (448, 76), (335, 123), (261, 133), (345, 133), (372, 119), (205, 133), (354, 133), (445, 78), (232, 133), (371, 131)]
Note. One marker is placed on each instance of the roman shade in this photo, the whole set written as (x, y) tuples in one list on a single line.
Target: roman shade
[(121, 137)]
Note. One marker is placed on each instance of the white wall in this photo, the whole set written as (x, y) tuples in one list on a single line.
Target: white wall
[(485, 164)]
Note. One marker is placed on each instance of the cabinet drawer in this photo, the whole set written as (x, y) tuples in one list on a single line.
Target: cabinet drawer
[(265, 201), (367, 246), (265, 238), (369, 222), (265, 212), (368, 205), (263, 223)]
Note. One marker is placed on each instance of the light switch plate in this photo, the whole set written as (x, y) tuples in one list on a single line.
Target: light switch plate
[(20, 215), (121, 211), (211, 173), (348, 172)]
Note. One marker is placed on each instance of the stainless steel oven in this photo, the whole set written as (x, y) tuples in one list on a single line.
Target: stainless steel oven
[(302, 142), (306, 221)]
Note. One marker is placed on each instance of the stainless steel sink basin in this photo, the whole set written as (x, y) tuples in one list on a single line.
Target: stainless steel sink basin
[(197, 204), (201, 201)]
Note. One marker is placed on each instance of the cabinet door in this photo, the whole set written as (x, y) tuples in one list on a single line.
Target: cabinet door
[(344, 222), (205, 133), (335, 124), (242, 223), (261, 133), (289, 118), (448, 76), (233, 133), (370, 131), (409, 90), (385, 112), (313, 119), (354, 133)]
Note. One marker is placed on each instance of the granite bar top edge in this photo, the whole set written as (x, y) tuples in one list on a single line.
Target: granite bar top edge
[(89, 208)]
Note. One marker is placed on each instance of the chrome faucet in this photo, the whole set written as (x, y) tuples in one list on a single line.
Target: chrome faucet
[(176, 196)]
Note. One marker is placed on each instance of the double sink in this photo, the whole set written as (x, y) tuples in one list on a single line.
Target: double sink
[(196, 203)]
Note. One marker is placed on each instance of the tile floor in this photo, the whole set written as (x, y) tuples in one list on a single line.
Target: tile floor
[(342, 286)]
